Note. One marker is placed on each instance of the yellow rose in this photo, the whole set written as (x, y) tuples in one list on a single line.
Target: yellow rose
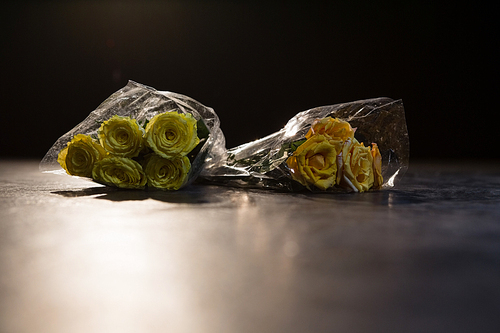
[(332, 128), (314, 162), (120, 172), (357, 166), (80, 155), (121, 136), (377, 166), (167, 174), (172, 134)]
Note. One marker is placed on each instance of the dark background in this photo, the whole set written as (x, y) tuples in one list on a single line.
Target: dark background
[(256, 63)]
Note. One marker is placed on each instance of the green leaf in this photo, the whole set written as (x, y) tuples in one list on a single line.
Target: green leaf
[(143, 123), (296, 144), (202, 130)]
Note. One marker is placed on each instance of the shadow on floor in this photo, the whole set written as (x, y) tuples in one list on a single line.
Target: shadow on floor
[(188, 195)]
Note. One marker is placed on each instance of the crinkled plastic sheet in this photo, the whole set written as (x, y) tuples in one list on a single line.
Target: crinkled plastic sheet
[(261, 163), (142, 102)]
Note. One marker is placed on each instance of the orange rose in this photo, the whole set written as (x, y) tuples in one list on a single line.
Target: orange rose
[(333, 128), (314, 162), (377, 166), (357, 166)]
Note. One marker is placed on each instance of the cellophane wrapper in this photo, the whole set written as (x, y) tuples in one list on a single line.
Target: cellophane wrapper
[(262, 163), (143, 103)]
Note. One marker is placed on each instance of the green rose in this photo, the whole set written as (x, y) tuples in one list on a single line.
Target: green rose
[(172, 134), (120, 172)]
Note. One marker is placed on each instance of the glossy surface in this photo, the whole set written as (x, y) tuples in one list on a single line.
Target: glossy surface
[(78, 257)]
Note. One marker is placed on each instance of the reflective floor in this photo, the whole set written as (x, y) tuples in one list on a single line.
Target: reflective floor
[(79, 257)]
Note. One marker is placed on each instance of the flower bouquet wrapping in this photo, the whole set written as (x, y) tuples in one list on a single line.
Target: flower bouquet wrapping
[(357, 146), (140, 138)]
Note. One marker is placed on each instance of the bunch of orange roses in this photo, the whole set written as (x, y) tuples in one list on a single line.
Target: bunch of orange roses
[(331, 156), (357, 147)]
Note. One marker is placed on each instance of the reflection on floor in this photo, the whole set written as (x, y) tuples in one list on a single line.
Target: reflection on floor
[(79, 257)]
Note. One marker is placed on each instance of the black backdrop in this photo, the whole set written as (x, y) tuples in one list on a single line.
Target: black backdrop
[(257, 63)]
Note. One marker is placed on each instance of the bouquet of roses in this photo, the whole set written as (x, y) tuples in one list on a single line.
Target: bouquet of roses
[(354, 146), (139, 138)]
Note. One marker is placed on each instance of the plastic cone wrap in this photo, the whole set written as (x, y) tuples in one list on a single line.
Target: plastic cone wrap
[(140, 138), (357, 146)]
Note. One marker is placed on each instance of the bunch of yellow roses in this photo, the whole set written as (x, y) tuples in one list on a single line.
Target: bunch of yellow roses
[(127, 155), (331, 156)]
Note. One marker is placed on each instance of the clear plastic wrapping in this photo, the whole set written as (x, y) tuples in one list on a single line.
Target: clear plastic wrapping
[(265, 163), (136, 105)]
